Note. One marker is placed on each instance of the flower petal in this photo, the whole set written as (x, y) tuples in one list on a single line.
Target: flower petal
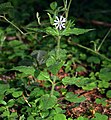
[(61, 17), (55, 24), (64, 20), (60, 27), (59, 22), (57, 18)]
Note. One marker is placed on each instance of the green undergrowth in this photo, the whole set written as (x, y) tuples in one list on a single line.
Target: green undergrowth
[(40, 65)]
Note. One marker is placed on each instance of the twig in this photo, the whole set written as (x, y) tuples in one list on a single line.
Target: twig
[(95, 52), (26, 100), (103, 40), (13, 25)]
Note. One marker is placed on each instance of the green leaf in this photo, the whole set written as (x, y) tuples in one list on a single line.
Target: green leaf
[(58, 109), (60, 117), (55, 67), (99, 116), (75, 31), (101, 101), (52, 31), (108, 94), (103, 84), (68, 81), (70, 96), (10, 91), (82, 118), (93, 59), (33, 30), (37, 92), (3, 88), (11, 102), (90, 86), (28, 70), (105, 74), (53, 5), (44, 114), (2, 108), (70, 119), (13, 115), (80, 69), (85, 82), (44, 75), (3, 102), (52, 56), (6, 113), (17, 94), (30, 118), (51, 19), (50, 61), (47, 102)]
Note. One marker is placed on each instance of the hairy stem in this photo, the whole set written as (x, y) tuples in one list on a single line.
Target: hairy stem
[(53, 86), (58, 47), (67, 12)]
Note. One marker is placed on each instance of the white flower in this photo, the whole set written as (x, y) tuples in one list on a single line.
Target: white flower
[(60, 22)]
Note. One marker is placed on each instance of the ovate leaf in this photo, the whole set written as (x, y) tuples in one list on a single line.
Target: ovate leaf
[(108, 94), (55, 67), (50, 61), (51, 31), (68, 81), (90, 86), (75, 31), (105, 74), (6, 113), (70, 96), (28, 70), (44, 75), (47, 102), (99, 116), (3, 88), (30, 117), (81, 118), (2, 102), (17, 94), (53, 5), (60, 117), (101, 101)]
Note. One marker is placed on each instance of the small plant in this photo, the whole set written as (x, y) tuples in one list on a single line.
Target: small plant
[(33, 93)]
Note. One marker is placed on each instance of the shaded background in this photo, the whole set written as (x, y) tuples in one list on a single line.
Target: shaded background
[(86, 10)]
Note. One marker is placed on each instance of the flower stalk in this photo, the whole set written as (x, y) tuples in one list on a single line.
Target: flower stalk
[(58, 47)]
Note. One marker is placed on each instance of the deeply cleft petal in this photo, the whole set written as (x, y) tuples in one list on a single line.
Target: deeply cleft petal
[(59, 22)]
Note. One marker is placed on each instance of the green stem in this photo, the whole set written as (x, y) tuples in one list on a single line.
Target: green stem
[(95, 52), (53, 86), (12, 24), (67, 12), (58, 46), (104, 39)]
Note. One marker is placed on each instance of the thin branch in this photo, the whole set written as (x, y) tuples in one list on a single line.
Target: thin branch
[(103, 40), (95, 52), (13, 25)]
